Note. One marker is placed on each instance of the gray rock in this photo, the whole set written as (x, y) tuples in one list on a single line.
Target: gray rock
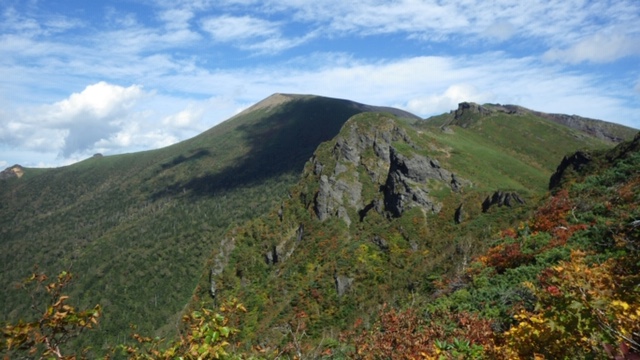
[(405, 185), (456, 185), (458, 217), (381, 243), (500, 198), (340, 168), (413, 245), (271, 257), (466, 109), (220, 261), (575, 162), (317, 167), (343, 283), (347, 151), (342, 214), (334, 195), (300, 233)]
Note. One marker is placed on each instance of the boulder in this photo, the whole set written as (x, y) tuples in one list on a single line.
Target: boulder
[(502, 198), (343, 283), (381, 243), (458, 217)]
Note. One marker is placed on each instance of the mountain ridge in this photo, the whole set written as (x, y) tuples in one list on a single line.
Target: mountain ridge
[(379, 192), (467, 112), (156, 217)]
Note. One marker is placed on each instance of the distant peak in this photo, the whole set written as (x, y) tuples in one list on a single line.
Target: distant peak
[(469, 113), (273, 101), (15, 171)]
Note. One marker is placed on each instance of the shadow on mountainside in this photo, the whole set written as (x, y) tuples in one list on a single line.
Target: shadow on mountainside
[(280, 143)]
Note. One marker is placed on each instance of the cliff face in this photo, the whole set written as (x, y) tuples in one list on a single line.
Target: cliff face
[(375, 166)]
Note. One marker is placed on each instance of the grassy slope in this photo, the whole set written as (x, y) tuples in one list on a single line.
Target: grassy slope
[(603, 200), (500, 152), (136, 228)]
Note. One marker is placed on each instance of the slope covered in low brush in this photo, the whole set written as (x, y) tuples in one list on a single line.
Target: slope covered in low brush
[(563, 284), (382, 210), (137, 228)]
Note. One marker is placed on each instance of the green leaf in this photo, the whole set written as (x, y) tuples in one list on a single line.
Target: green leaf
[(224, 331)]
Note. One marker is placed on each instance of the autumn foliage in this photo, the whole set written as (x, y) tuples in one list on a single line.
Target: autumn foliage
[(408, 335), (583, 310), (55, 325)]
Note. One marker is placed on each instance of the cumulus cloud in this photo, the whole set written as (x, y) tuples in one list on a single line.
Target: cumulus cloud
[(452, 96), (599, 48), (95, 103), (187, 118), (75, 124), (433, 54)]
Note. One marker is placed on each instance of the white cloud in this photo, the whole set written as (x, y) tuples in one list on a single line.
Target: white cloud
[(176, 18), (251, 33), (555, 23), (96, 102), (500, 31), (239, 28), (72, 125), (186, 118), (599, 48), (173, 47), (452, 96)]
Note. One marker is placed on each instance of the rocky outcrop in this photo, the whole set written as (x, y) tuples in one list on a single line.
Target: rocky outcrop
[(220, 261), (502, 198), (405, 183), (574, 162), (402, 177), (467, 109), (458, 216), (16, 171), (332, 196), (469, 113), (272, 257), (381, 243), (343, 283)]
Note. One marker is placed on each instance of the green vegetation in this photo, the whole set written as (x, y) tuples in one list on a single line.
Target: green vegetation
[(417, 248), (138, 228), (143, 233)]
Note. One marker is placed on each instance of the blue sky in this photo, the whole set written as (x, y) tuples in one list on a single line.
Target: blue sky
[(82, 77)]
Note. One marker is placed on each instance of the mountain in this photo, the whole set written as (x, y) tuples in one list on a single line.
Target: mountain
[(300, 202), (381, 211), (137, 228)]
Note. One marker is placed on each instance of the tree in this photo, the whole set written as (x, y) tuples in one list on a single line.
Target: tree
[(56, 322)]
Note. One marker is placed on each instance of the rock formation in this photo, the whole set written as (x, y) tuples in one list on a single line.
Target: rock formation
[(402, 176), (574, 162), (502, 198)]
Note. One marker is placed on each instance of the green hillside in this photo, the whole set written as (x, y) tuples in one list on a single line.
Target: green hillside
[(298, 205), (382, 211), (137, 228)]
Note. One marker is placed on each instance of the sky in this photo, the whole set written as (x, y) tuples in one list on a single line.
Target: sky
[(82, 77)]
